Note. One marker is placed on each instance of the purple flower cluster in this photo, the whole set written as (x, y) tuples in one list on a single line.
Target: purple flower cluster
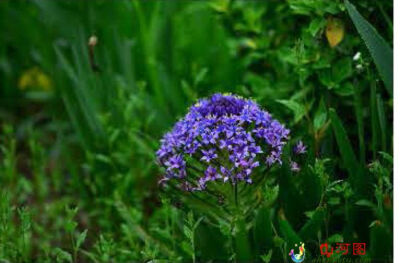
[(222, 138)]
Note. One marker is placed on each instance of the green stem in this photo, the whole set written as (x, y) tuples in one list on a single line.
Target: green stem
[(236, 195), (373, 115), (241, 240)]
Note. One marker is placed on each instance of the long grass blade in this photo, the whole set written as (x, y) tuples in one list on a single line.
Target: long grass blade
[(346, 151), (374, 119), (382, 120), (358, 107)]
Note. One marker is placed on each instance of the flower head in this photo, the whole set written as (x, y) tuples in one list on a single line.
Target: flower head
[(294, 166), (300, 148), (223, 138)]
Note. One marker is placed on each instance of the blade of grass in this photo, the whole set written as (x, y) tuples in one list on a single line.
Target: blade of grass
[(147, 43), (386, 17), (263, 235), (78, 105), (288, 232), (345, 148), (360, 122), (313, 225), (380, 51), (382, 120), (374, 119), (346, 151)]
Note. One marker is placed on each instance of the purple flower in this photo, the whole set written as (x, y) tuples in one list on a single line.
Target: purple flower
[(294, 167), (226, 130), (175, 162), (299, 148), (208, 155), (209, 175), (226, 173)]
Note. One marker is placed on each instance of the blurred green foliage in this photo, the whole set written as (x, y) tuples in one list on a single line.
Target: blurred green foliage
[(81, 122)]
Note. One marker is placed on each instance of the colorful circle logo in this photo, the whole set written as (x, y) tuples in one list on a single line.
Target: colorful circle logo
[(298, 257)]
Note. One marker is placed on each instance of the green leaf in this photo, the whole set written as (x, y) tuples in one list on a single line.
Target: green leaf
[(387, 157), (325, 77), (188, 90), (320, 116), (333, 201), (278, 241), (242, 242), (342, 70), (288, 232), (374, 223), (345, 89), (309, 214), (382, 120), (374, 119), (331, 186), (270, 195), (188, 232), (313, 225), (267, 258), (358, 107), (220, 6), (316, 25), (364, 202), (200, 76), (381, 243), (103, 158), (61, 255), (335, 238), (345, 148), (346, 151), (187, 248), (224, 227), (81, 238), (298, 109), (319, 7), (263, 233), (79, 104), (380, 51), (70, 226), (197, 223)]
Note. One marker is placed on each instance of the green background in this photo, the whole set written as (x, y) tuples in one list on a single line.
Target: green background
[(78, 177)]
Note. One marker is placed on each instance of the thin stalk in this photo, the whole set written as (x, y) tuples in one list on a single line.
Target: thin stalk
[(382, 120), (374, 115), (360, 122), (241, 241), (236, 195)]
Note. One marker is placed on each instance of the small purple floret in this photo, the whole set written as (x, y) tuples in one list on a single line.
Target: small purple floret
[(300, 148), (208, 155), (294, 167)]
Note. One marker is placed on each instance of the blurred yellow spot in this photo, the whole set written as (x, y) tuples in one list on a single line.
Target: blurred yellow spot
[(334, 31), (92, 41), (249, 43), (219, 5), (34, 79)]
